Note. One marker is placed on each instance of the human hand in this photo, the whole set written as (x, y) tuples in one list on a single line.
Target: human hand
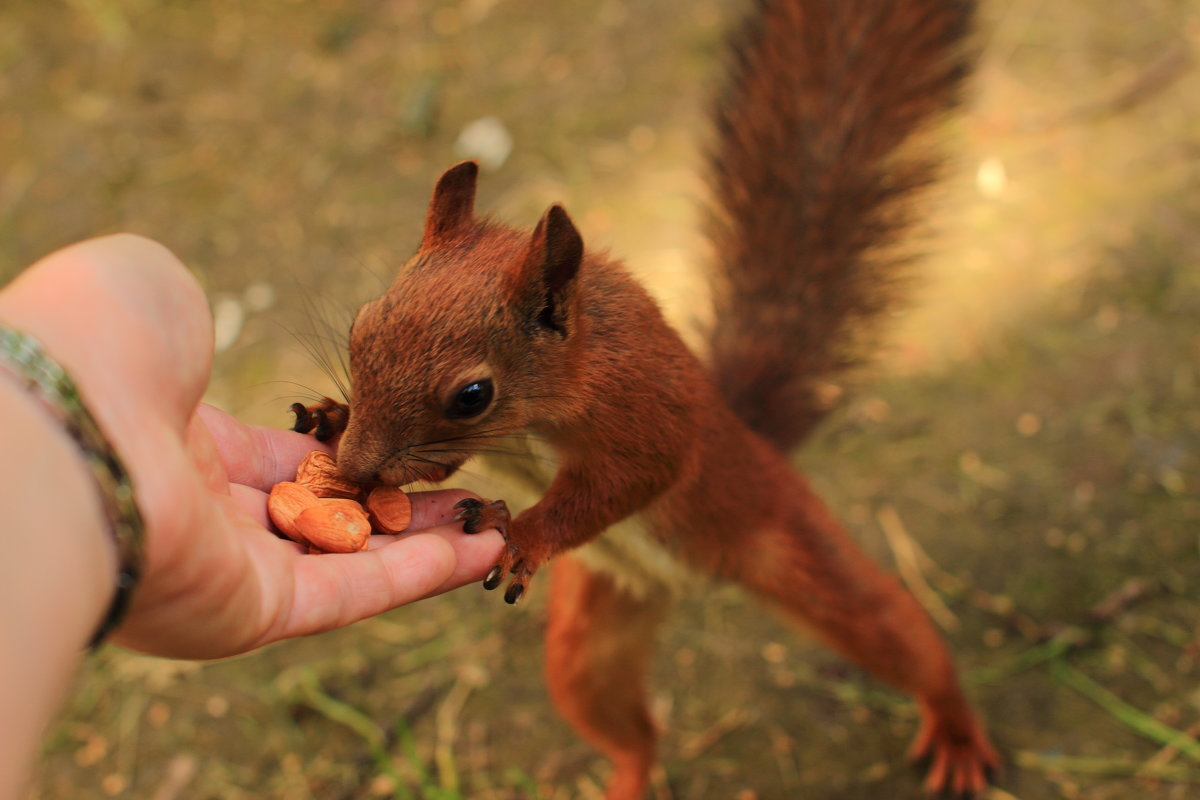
[(131, 325)]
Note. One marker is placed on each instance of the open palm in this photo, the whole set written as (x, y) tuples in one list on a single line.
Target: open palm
[(132, 326)]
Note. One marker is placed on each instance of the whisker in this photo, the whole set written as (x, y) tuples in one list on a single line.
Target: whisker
[(325, 336), (487, 433), (382, 280), (497, 451), (477, 475), (319, 356), (304, 390), (423, 460), (286, 400)]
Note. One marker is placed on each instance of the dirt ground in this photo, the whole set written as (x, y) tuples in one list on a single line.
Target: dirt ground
[(1024, 451)]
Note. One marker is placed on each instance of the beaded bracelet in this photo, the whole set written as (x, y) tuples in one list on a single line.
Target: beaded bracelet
[(47, 380)]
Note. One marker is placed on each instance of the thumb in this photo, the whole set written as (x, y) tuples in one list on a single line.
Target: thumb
[(126, 319)]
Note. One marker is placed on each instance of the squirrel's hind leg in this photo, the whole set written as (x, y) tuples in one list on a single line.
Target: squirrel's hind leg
[(802, 561), (599, 641)]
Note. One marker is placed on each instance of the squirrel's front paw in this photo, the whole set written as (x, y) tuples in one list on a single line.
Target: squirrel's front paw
[(517, 560), (476, 515), (324, 420)]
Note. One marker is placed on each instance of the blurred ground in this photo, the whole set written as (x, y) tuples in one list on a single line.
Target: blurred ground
[(1027, 446)]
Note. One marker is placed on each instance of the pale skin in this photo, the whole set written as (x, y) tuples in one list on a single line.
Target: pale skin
[(131, 325)]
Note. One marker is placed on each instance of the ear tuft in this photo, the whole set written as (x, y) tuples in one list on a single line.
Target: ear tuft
[(555, 254), (453, 204), (561, 245)]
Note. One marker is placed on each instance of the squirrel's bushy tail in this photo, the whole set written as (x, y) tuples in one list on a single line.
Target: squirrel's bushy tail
[(812, 185)]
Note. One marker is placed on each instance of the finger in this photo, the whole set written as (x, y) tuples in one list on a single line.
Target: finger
[(475, 553), (254, 501), (336, 590), (436, 507), (254, 455)]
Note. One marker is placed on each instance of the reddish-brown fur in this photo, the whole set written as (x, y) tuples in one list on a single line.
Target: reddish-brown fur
[(812, 183), (598, 647), (580, 354)]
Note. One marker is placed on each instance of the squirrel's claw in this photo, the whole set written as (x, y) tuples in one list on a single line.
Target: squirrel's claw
[(476, 515), (514, 593), (324, 420), (493, 578), (510, 563), (515, 590)]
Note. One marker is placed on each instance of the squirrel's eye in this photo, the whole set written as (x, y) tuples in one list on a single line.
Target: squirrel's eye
[(471, 400)]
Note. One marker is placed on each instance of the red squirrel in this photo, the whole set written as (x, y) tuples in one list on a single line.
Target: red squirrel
[(489, 331)]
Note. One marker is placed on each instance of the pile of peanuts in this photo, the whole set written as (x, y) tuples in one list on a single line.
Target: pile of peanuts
[(329, 514)]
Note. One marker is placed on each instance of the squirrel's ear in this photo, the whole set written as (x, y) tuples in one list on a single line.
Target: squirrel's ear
[(453, 203), (555, 253)]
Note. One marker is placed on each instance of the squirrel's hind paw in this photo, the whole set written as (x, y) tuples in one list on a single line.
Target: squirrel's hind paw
[(324, 420), (961, 764)]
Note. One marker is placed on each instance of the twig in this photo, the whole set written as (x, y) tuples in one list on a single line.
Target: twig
[(1002, 607), (1117, 601), (731, 721), (1151, 81), (907, 555)]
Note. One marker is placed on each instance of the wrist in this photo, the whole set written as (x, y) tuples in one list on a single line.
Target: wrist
[(45, 379), (55, 538)]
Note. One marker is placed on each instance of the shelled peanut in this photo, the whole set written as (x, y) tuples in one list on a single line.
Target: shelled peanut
[(326, 512)]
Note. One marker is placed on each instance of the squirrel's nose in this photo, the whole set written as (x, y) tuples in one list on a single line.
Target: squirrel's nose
[(356, 470), (359, 476), (356, 460)]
